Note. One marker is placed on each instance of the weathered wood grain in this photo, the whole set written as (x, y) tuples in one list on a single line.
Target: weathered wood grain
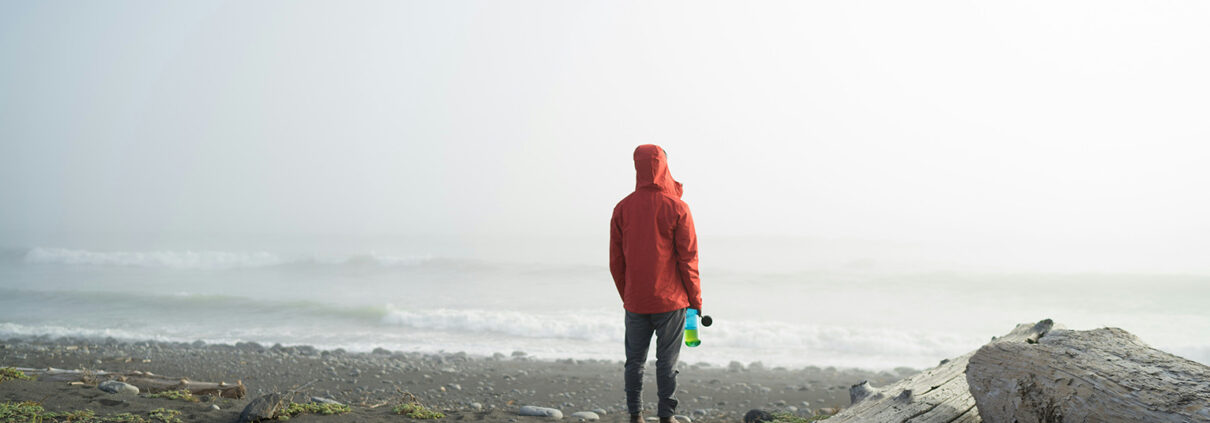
[(145, 381), (939, 394), (1102, 375)]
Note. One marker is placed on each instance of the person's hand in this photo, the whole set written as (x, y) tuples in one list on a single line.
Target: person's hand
[(699, 310)]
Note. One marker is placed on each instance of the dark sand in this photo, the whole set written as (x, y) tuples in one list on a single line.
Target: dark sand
[(455, 383)]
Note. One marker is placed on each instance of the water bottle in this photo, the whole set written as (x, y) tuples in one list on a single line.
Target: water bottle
[(691, 328)]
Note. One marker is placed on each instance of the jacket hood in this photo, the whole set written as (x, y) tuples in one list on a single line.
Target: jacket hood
[(651, 170)]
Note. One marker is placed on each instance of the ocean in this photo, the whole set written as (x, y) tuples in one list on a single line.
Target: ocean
[(562, 303)]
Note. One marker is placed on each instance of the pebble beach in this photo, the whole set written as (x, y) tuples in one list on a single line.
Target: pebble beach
[(460, 385)]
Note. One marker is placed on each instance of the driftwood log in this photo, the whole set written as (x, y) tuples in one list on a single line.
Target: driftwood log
[(145, 381), (1102, 375), (939, 394)]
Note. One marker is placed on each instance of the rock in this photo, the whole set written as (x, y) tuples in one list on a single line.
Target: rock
[(455, 386), (585, 415), (213, 407), (115, 387), (322, 400), (530, 410), (757, 416), (682, 418), (381, 351), (262, 408), (599, 411), (735, 366), (700, 412), (477, 406)]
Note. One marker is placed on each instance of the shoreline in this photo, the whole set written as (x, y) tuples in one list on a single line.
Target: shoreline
[(463, 386)]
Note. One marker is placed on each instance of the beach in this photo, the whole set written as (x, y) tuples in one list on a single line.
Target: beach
[(463, 386)]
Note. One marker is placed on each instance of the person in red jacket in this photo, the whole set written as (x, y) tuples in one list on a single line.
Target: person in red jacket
[(653, 259)]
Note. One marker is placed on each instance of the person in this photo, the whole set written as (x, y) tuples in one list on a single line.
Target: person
[(653, 260)]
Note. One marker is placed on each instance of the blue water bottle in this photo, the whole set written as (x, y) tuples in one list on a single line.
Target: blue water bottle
[(691, 328)]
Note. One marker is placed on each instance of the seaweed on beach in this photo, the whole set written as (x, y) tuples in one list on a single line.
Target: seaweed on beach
[(790, 418), (11, 373), (292, 409), (411, 407), (33, 412), (183, 395)]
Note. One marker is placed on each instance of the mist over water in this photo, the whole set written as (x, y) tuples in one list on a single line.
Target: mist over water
[(853, 313)]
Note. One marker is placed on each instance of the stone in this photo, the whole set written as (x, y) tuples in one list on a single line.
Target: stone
[(599, 411), (213, 407), (585, 415), (262, 408), (682, 418), (757, 416), (115, 387), (530, 410), (476, 406)]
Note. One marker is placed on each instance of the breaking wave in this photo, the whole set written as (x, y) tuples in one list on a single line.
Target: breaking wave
[(607, 327)]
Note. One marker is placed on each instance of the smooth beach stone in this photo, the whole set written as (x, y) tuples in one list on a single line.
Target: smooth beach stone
[(599, 411), (115, 387), (682, 418), (585, 415), (476, 406), (757, 416), (262, 408), (530, 410)]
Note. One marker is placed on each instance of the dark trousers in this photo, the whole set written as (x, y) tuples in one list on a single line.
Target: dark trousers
[(668, 329)]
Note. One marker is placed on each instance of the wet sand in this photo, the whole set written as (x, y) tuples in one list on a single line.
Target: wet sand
[(462, 386)]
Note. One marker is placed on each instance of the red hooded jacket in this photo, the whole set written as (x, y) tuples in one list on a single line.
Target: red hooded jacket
[(652, 244)]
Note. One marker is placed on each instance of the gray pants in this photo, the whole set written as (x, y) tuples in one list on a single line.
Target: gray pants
[(668, 329)]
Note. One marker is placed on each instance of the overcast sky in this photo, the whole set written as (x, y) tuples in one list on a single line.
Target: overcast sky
[(1021, 123)]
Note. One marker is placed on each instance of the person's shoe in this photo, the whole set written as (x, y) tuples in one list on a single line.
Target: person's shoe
[(665, 419), (636, 418)]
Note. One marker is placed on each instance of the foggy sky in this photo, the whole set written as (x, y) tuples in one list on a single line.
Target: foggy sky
[(1036, 127)]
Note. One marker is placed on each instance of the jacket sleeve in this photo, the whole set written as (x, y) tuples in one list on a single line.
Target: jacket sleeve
[(617, 258), (686, 257)]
